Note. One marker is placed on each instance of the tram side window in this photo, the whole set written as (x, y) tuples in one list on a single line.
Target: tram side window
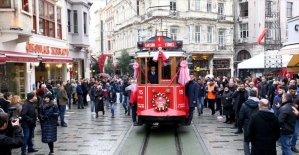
[(142, 63), (166, 69)]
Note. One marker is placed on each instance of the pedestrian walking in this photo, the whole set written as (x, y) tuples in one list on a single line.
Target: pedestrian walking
[(80, 96), (63, 101), (112, 100), (192, 94), (227, 104), (201, 96), (99, 104), (49, 113)]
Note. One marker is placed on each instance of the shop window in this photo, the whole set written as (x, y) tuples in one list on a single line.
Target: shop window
[(5, 3), (46, 19), (25, 5), (12, 79)]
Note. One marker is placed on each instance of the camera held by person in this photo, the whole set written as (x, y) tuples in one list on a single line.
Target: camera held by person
[(6, 142), (13, 119)]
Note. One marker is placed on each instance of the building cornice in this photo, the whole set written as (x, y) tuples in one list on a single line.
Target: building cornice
[(88, 4)]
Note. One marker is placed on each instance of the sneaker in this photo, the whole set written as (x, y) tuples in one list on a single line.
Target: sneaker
[(112, 116), (239, 132), (126, 111), (294, 150), (63, 124), (32, 150)]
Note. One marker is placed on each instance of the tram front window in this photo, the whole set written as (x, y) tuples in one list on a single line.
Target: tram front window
[(166, 70), (153, 75)]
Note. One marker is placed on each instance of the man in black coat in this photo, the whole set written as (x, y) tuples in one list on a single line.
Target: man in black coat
[(263, 130), (6, 142), (28, 123), (248, 108), (192, 94), (287, 120), (153, 75), (264, 89), (240, 96)]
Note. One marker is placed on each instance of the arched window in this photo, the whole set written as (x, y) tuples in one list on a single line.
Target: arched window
[(243, 55)]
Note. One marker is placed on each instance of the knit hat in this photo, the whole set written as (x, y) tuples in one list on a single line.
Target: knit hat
[(49, 96), (30, 96)]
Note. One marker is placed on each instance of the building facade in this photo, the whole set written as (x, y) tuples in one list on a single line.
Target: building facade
[(205, 26), (272, 15), (33, 44)]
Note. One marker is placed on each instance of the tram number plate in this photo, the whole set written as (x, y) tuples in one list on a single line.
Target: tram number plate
[(140, 105), (181, 105)]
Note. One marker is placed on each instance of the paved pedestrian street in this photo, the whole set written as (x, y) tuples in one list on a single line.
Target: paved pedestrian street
[(86, 135)]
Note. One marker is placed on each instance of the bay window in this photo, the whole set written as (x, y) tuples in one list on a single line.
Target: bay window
[(46, 19), (59, 31)]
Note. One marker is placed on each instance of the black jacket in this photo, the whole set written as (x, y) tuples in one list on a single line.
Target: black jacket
[(286, 118), (49, 113), (263, 132), (248, 108), (4, 104), (153, 79), (68, 88), (264, 90), (28, 115), (236, 95), (125, 93), (7, 143)]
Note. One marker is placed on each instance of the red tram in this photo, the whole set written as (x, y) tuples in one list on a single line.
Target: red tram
[(164, 101)]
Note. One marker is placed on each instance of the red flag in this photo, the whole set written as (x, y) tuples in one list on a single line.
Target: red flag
[(261, 37)]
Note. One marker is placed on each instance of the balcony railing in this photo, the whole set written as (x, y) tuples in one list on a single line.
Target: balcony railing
[(221, 17)]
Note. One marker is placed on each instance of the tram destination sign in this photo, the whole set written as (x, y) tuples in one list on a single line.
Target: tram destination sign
[(159, 42)]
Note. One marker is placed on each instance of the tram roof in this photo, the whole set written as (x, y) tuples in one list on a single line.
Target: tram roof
[(152, 53)]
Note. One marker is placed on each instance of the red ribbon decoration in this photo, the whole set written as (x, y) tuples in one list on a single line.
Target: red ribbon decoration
[(261, 37)]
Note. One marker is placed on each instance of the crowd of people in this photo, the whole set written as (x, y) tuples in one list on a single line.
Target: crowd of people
[(265, 110), (48, 105)]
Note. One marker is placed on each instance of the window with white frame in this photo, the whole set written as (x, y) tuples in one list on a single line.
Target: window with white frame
[(188, 34), (197, 5), (221, 38), (209, 6), (173, 33), (269, 32), (289, 9), (210, 34), (220, 9), (244, 30), (124, 41), (197, 34)]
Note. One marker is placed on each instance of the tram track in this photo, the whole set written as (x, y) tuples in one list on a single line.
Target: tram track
[(148, 137)]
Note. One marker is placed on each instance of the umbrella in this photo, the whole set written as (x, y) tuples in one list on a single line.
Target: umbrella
[(209, 76), (105, 75)]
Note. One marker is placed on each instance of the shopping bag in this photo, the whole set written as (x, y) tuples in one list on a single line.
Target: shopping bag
[(87, 98)]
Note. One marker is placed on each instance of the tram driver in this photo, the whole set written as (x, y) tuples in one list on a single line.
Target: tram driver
[(153, 75)]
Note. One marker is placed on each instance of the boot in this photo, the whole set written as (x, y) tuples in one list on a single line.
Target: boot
[(226, 121), (103, 113), (97, 115), (63, 124)]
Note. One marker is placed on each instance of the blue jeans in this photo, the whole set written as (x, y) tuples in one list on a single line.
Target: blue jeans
[(285, 141), (27, 139), (112, 108), (80, 101), (126, 103), (62, 112), (294, 138), (92, 106), (70, 100), (200, 104)]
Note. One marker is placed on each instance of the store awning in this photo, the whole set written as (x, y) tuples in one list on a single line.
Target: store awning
[(18, 56), (257, 62), (289, 49), (56, 59), (293, 65)]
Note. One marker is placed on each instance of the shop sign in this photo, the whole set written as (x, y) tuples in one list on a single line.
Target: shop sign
[(42, 49)]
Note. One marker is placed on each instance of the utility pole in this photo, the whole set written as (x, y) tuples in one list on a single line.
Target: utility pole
[(102, 47)]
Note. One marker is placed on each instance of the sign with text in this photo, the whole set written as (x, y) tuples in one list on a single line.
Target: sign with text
[(42, 49), (141, 94), (159, 42)]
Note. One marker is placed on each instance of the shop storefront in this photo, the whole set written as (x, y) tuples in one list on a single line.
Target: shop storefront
[(54, 62), (221, 67)]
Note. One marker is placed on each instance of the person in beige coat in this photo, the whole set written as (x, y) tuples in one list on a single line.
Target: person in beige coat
[(63, 101)]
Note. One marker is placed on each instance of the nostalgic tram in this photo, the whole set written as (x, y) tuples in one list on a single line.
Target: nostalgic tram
[(161, 70)]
